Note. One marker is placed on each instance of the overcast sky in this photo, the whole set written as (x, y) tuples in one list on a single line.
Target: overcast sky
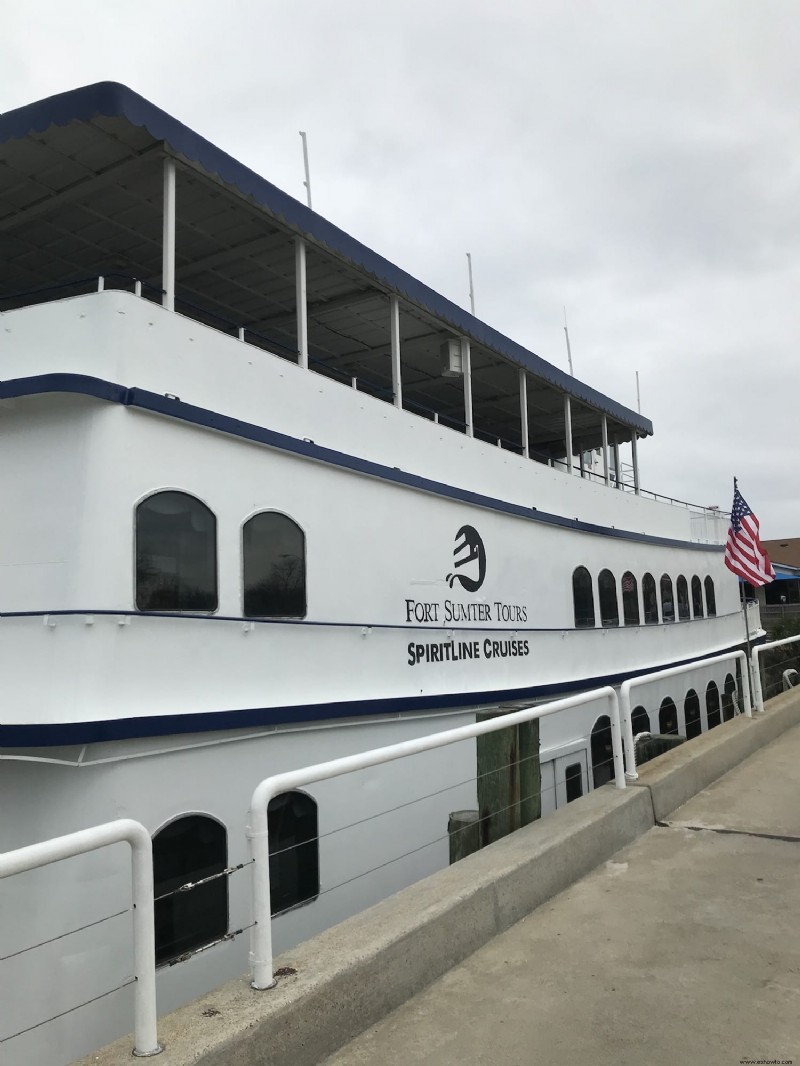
[(638, 162)]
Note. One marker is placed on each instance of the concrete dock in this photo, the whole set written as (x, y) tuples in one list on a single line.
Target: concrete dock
[(683, 948)]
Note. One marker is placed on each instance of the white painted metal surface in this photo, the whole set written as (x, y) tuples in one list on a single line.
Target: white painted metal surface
[(258, 827), (124, 829)]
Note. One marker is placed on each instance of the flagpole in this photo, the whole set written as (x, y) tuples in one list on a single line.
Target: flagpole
[(744, 616)]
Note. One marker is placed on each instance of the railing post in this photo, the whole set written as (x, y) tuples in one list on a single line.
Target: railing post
[(168, 237), (261, 935), (616, 740), (627, 730)]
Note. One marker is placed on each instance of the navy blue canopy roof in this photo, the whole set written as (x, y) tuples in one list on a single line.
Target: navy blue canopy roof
[(109, 100)]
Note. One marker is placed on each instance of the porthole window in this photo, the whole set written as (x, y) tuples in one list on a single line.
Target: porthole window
[(650, 600), (609, 606), (630, 599), (189, 849), (697, 597), (728, 697), (682, 588), (176, 554), (640, 721), (712, 705), (274, 567), (667, 601), (293, 850), (691, 713), (711, 602), (668, 717), (583, 598)]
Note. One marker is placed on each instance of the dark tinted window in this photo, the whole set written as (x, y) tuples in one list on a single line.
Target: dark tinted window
[(176, 554), (712, 705), (683, 598), (274, 566), (691, 712), (711, 602), (602, 751), (668, 717), (574, 782), (728, 694), (609, 607), (189, 849), (650, 602), (697, 597), (640, 721), (293, 850), (667, 601), (630, 599), (583, 597)]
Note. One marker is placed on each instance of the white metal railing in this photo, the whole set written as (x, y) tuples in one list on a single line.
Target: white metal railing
[(258, 827), (144, 957), (758, 694), (660, 675)]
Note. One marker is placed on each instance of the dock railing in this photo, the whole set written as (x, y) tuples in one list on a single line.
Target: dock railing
[(758, 691), (144, 958), (258, 822)]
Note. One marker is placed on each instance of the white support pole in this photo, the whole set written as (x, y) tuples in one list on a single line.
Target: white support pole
[(466, 369), (397, 377), (258, 818), (300, 297), (617, 475), (635, 460), (582, 460), (568, 432), (168, 238), (605, 450), (523, 412), (144, 951)]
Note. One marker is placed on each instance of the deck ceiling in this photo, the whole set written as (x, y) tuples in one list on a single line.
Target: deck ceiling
[(82, 197)]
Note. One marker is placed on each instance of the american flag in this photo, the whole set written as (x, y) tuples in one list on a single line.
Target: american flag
[(743, 552)]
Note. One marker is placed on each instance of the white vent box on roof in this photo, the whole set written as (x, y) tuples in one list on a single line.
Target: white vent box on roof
[(450, 353)]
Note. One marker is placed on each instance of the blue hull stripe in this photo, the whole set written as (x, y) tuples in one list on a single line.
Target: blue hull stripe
[(199, 416)]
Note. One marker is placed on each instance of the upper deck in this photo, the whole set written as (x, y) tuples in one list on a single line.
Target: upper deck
[(100, 189)]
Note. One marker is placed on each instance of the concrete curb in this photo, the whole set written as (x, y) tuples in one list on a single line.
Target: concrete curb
[(354, 974), (679, 774)]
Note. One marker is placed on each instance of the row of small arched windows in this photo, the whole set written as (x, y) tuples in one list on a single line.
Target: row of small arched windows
[(176, 559), (195, 848), (688, 606)]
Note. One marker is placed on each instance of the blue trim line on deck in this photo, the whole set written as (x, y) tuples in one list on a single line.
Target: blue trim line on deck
[(155, 403), (38, 735)]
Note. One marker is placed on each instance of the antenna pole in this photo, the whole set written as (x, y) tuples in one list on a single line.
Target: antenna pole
[(471, 287), (638, 394), (307, 182), (569, 350)]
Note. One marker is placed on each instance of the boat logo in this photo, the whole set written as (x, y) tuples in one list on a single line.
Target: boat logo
[(472, 545)]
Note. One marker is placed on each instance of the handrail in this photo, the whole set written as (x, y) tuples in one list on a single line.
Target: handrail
[(258, 822), (758, 692), (659, 675), (144, 959)]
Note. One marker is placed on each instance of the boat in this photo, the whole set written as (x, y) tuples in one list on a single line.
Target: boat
[(268, 500)]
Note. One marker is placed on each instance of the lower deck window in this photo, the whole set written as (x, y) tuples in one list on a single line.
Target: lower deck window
[(293, 850), (573, 777)]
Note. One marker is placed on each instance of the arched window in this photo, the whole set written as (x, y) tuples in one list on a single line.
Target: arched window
[(712, 705), (682, 589), (650, 601), (697, 597), (711, 602), (176, 554), (583, 597), (274, 567), (186, 850), (668, 717), (602, 751), (293, 850), (640, 721), (630, 599), (691, 712), (728, 697), (667, 602), (609, 606), (573, 779)]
